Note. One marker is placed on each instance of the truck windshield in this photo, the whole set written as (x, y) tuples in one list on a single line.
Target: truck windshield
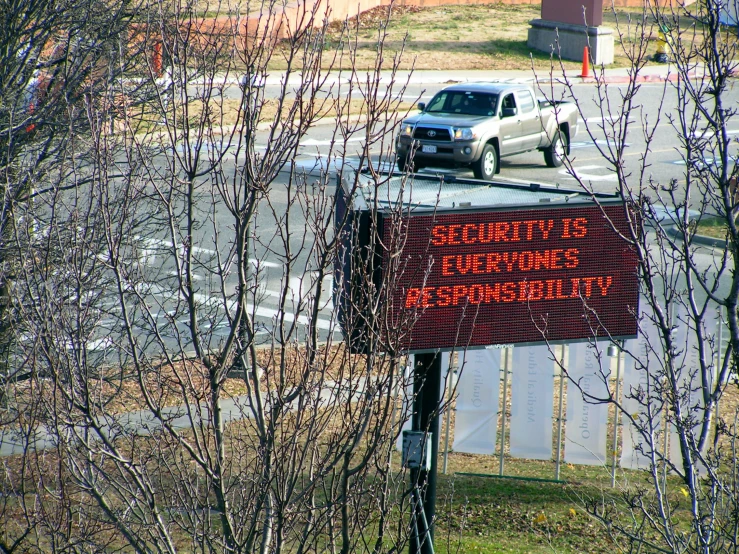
[(462, 102)]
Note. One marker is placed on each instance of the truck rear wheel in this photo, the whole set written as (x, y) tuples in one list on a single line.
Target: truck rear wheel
[(487, 166), (554, 155)]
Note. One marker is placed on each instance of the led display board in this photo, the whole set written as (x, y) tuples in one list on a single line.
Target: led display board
[(515, 275)]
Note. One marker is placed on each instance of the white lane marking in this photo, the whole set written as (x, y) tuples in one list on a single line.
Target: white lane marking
[(580, 173), (98, 344), (168, 244), (296, 288), (609, 118), (338, 141), (705, 162), (710, 133), (150, 254), (271, 314), (263, 263), (262, 311), (586, 168), (195, 276), (590, 144)]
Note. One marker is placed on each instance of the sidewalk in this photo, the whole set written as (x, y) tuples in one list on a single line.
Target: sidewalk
[(649, 73), (653, 73)]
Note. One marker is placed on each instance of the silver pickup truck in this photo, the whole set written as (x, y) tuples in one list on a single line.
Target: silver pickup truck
[(476, 124)]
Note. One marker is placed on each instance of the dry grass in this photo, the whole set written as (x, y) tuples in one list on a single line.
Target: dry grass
[(461, 37), (223, 115), (118, 391), (475, 513), (226, 113), (454, 37)]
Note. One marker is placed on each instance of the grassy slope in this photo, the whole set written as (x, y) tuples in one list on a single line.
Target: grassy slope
[(461, 37)]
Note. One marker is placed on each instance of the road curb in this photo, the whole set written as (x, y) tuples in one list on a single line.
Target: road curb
[(624, 79), (702, 240)]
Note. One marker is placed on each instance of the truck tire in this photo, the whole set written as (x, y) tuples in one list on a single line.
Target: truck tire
[(487, 166), (555, 154), (411, 167)]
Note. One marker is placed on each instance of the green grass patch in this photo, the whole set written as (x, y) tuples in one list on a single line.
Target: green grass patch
[(712, 227)]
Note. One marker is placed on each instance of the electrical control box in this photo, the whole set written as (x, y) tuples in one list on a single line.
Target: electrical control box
[(417, 450)]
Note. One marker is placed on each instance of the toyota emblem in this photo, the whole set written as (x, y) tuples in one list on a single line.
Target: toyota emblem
[(431, 133)]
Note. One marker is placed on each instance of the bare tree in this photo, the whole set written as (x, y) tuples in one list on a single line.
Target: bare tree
[(60, 64), (186, 363), (688, 289)]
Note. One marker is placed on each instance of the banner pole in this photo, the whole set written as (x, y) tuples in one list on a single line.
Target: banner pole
[(558, 464), (450, 376), (503, 411), (395, 395), (615, 416), (717, 369)]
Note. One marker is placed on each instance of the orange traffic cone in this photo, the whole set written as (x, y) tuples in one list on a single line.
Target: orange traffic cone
[(585, 63)]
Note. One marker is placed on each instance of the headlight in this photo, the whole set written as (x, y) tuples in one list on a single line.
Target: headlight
[(407, 130), (464, 133)]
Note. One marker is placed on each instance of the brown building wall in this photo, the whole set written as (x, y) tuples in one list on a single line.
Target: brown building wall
[(284, 22), (606, 3)]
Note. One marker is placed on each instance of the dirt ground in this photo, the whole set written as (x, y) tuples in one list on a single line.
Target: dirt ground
[(492, 37)]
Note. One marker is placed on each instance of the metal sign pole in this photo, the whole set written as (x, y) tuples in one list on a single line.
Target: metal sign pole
[(426, 389)]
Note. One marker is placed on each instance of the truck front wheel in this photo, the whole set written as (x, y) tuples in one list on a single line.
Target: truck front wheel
[(406, 166), (486, 167), (554, 155)]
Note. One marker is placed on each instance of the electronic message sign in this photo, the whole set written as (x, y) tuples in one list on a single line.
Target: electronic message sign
[(503, 277)]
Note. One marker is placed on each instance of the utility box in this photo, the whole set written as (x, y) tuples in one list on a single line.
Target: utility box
[(416, 452)]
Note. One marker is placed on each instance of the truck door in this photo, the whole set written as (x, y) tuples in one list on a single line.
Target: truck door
[(510, 126), (528, 112)]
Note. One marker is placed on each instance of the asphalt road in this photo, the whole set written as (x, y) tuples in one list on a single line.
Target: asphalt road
[(655, 103), (655, 106)]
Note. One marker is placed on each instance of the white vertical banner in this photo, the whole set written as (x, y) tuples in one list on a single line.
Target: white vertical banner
[(406, 394), (587, 421), (406, 411), (689, 378), (532, 401), (478, 391), (643, 362)]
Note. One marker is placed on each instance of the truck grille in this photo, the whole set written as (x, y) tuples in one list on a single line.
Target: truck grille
[(432, 133)]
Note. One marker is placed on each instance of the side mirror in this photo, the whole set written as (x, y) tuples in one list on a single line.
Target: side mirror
[(510, 112), (422, 106)]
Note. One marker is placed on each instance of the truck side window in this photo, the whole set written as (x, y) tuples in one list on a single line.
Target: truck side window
[(526, 101), (509, 102)]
